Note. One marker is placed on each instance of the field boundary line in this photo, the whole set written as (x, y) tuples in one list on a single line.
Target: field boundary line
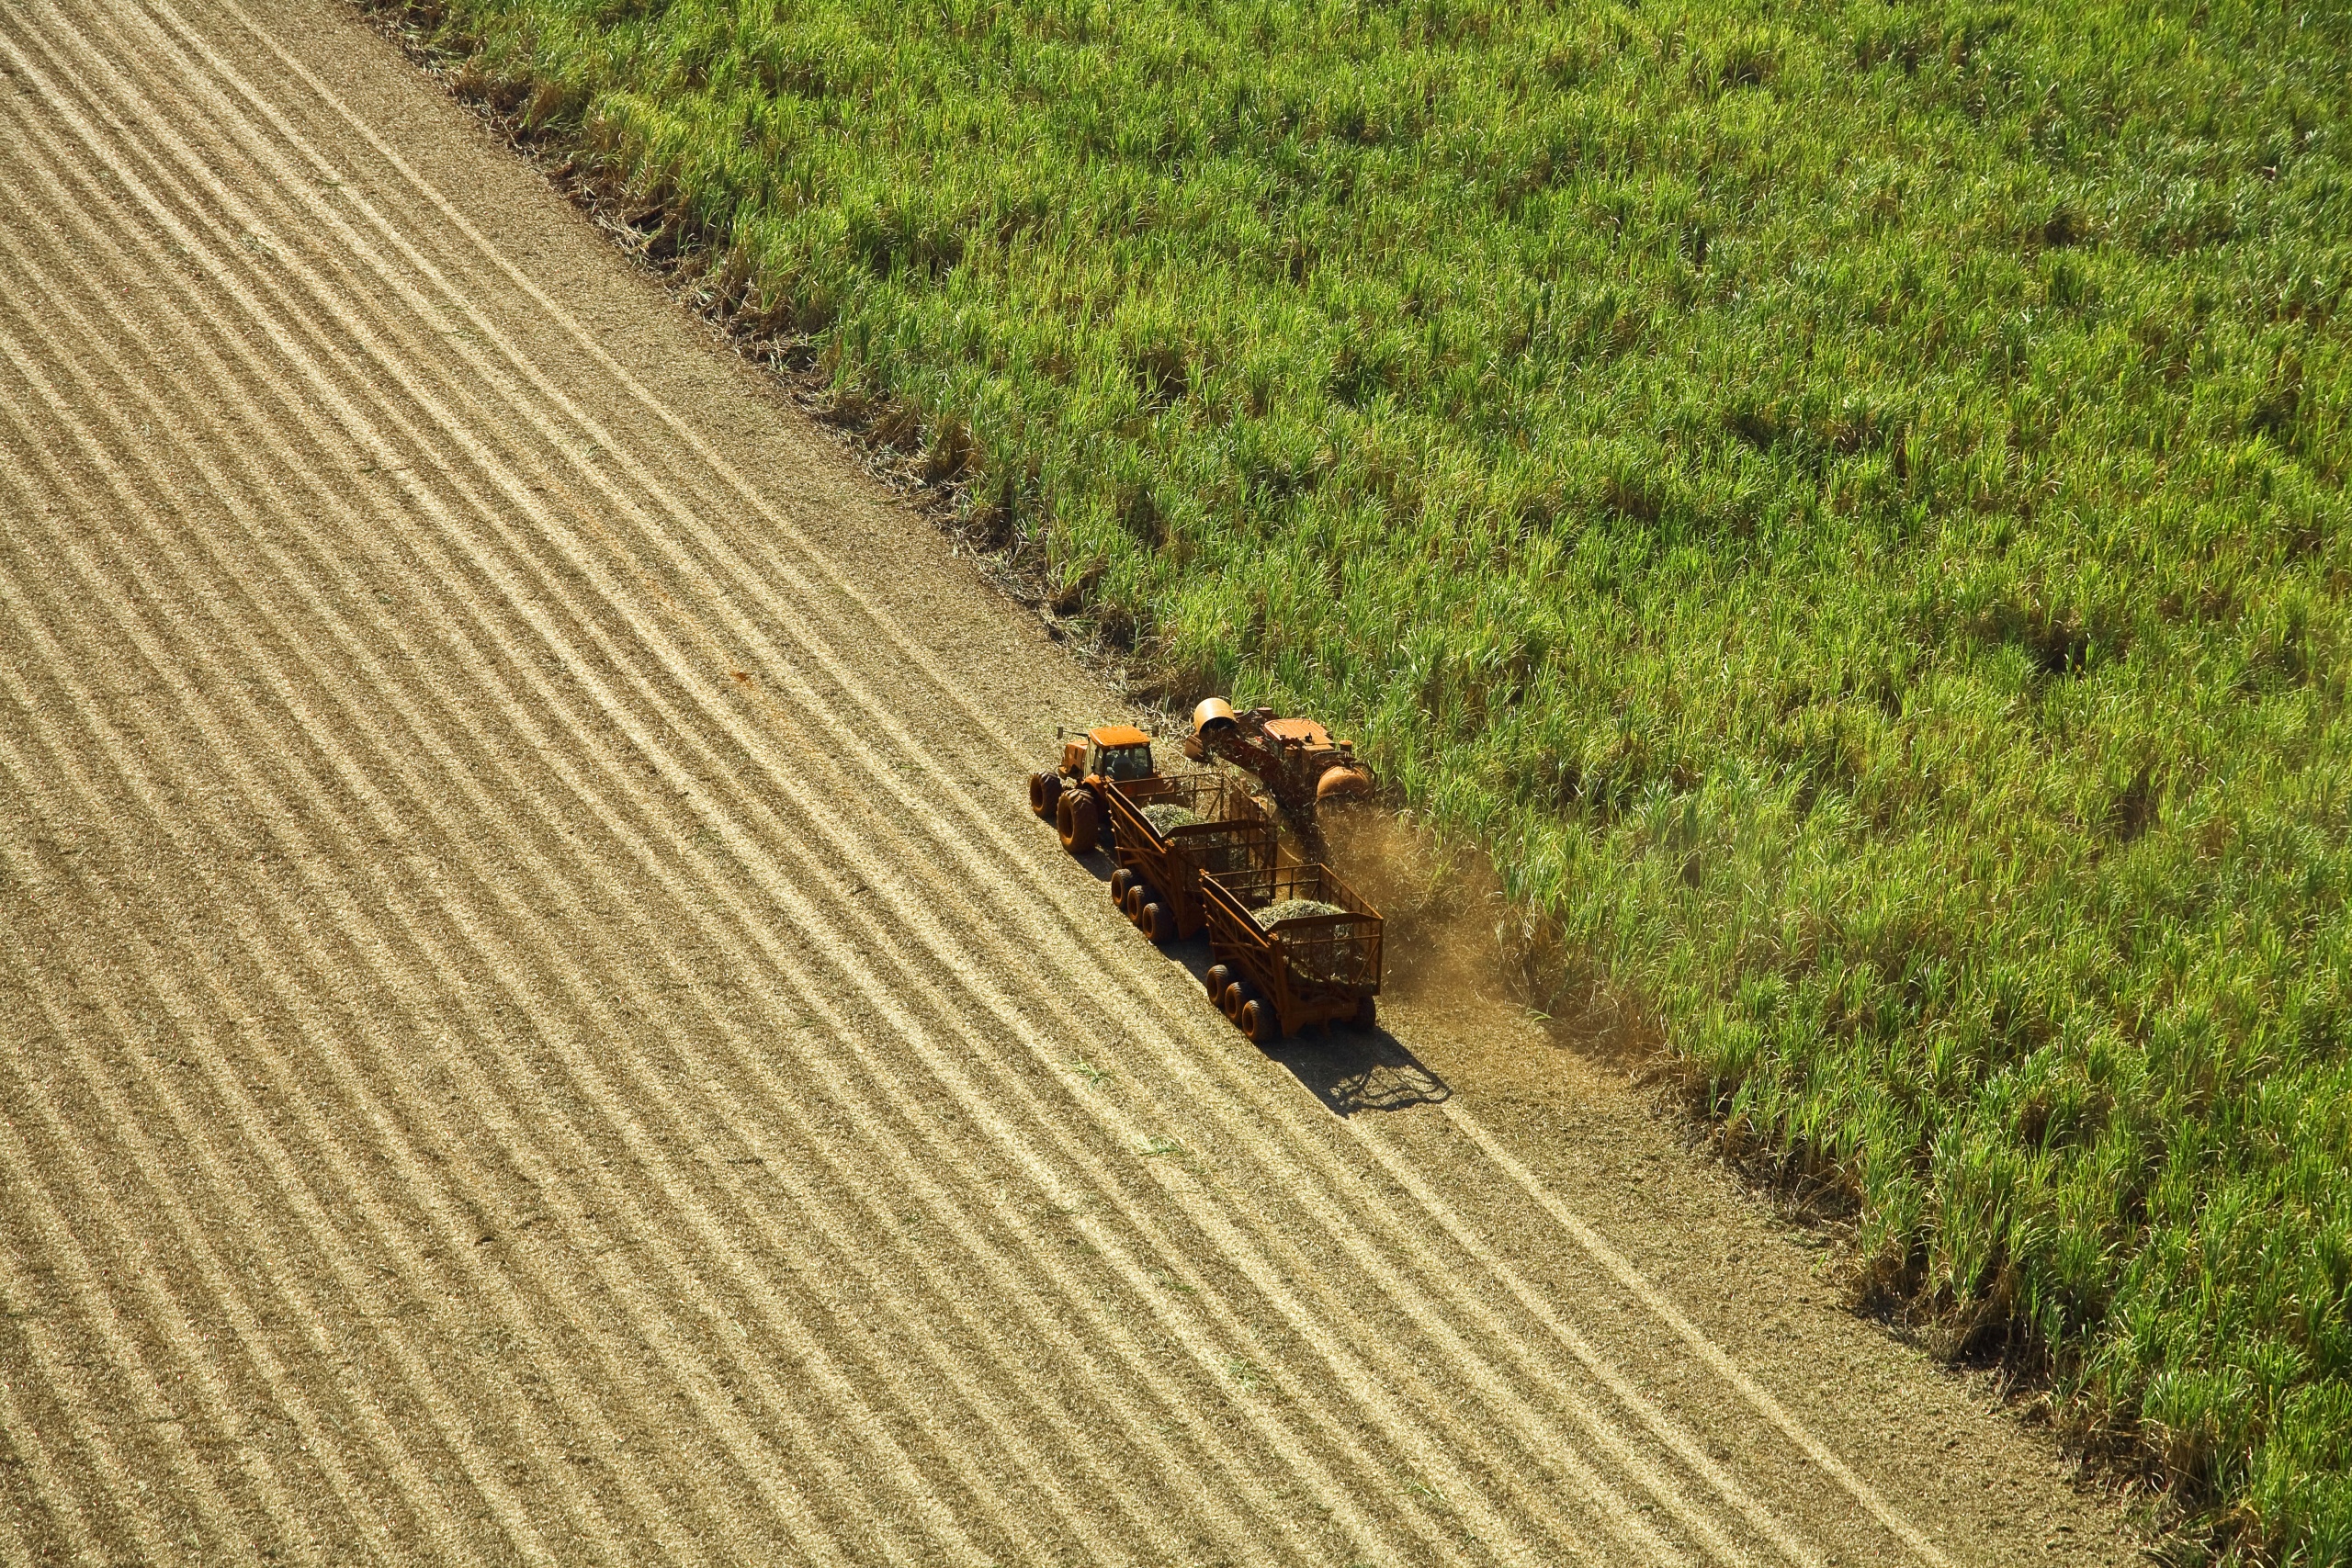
[(1622, 1270)]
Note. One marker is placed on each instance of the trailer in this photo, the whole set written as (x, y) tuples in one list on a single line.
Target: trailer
[(1206, 822), (1275, 976)]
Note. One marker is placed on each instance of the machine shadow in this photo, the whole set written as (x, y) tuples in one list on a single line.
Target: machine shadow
[(1353, 1070)]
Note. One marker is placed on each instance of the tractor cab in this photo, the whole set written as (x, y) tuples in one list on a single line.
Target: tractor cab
[(1070, 797), (1117, 751)]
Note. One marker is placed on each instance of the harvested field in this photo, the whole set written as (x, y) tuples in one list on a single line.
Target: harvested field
[(538, 1028)]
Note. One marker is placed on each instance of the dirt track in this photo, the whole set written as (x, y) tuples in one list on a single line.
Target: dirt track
[(537, 1029)]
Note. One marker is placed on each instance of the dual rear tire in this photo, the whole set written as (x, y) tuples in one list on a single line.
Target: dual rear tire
[(1149, 915), (1074, 818), (1252, 1013), (1239, 1000), (1045, 795), (1072, 811)]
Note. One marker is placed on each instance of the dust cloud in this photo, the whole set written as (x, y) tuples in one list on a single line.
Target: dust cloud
[(1461, 957)]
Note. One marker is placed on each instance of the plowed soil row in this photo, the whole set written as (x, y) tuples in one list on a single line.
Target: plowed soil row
[(537, 1029)]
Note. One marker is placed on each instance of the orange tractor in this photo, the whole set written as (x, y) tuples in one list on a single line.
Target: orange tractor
[(1296, 760), (1070, 797)]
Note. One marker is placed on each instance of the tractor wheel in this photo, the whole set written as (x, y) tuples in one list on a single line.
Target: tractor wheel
[(1367, 1013), (1078, 833), (1218, 977), (1045, 794), (1260, 1022), (1156, 923)]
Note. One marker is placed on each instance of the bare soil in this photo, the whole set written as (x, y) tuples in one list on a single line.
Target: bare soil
[(538, 1028)]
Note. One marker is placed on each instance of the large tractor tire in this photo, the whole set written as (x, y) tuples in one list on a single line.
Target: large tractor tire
[(1075, 815), (1260, 1022), (1045, 795)]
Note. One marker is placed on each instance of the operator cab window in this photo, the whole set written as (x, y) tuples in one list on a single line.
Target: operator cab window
[(1126, 762)]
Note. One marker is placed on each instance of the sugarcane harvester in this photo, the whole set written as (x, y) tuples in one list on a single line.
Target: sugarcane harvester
[(1301, 766)]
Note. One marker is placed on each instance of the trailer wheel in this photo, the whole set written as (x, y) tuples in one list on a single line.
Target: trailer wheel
[(1367, 1013), (1077, 828), (1121, 880), (1237, 995), (1045, 794), (1154, 922), (1260, 1022), (1218, 977)]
